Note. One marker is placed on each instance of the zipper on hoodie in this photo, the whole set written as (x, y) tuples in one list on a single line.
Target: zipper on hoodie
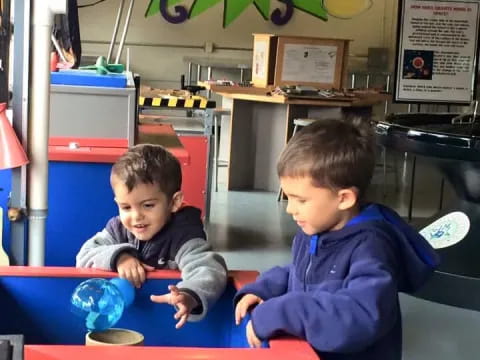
[(311, 252)]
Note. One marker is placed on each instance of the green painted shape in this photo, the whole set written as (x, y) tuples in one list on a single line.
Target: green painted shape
[(313, 7), (233, 9), (199, 6), (264, 7), (153, 8)]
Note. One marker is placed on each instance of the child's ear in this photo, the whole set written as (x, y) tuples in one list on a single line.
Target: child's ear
[(177, 201), (347, 198)]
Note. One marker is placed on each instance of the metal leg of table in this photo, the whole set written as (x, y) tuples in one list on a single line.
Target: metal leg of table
[(199, 72), (209, 77), (215, 149), (208, 113), (189, 76)]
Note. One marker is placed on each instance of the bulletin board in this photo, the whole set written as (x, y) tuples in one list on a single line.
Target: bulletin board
[(311, 61), (437, 51)]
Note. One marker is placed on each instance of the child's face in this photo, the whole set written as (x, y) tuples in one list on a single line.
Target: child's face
[(315, 209), (144, 210)]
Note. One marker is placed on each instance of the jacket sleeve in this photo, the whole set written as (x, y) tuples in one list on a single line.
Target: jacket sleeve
[(348, 320), (269, 284), (204, 273), (101, 251)]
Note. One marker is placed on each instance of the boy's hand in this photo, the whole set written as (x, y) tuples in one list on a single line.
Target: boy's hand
[(132, 269), (243, 306), (252, 338), (182, 301)]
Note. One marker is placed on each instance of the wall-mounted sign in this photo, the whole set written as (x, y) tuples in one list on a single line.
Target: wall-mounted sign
[(437, 51), (175, 13)]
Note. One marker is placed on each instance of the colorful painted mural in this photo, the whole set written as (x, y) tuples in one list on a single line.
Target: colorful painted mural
[(175, 13)]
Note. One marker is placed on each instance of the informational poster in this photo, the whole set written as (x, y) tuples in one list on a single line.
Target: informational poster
[(437, 51), (309, 63), (260, 59)]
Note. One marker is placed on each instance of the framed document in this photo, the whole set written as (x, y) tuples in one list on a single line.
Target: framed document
[(316, 62), (437, 51), (280, 60)]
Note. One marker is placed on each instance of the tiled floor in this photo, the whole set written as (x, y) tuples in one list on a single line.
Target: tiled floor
[(252, 231)]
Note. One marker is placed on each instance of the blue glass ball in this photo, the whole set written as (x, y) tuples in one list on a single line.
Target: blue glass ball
[(99, 302), (126, 288)]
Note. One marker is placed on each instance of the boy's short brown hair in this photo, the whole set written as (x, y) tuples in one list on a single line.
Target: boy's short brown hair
[(336, 154), (147, 163)]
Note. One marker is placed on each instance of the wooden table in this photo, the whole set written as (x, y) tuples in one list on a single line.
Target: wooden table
[(262, 122)]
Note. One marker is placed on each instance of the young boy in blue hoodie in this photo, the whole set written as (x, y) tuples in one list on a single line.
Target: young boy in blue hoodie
[(350, 259)]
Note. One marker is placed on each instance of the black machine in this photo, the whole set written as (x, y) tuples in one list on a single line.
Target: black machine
[(192, 88), (452, 143)]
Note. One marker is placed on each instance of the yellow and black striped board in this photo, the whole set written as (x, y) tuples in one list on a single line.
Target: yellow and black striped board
[(195, 102)]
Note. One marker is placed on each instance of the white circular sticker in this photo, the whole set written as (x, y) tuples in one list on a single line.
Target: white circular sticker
[(448, 230)]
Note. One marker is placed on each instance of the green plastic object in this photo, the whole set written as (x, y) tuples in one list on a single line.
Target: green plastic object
[(101, 67)]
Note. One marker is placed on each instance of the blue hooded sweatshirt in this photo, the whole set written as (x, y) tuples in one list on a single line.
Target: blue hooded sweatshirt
[(340, 292)]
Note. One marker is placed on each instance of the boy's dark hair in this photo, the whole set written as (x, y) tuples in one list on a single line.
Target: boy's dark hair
[(147, 163), (336, 154)]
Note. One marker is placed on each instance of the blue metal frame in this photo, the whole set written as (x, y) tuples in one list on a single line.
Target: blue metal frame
[(39, 308)]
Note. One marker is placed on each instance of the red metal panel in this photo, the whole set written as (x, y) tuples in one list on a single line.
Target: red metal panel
[(100, 150), (88, 142), (239, 278), (85, 154), (194, 176), (167, 134), (289, 349)]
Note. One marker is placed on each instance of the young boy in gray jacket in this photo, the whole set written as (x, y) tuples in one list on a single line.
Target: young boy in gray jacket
[(155, 230)]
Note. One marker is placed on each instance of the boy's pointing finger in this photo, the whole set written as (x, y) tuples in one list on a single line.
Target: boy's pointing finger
[(161, 299)]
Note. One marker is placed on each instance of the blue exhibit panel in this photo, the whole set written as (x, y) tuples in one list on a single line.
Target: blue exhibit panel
[(39, 308), (80, 204)]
